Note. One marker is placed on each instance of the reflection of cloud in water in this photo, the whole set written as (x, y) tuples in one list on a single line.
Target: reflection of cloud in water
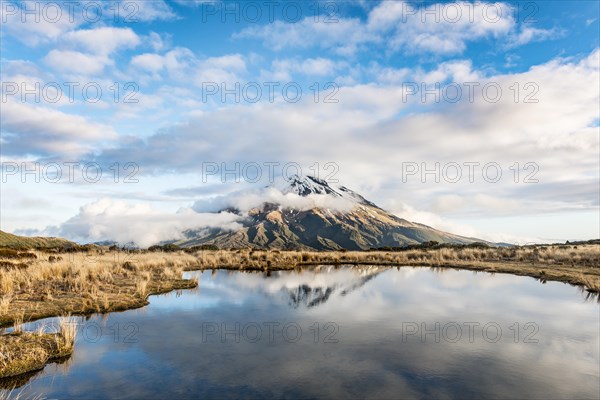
[(320, 277), (307, 288), (370, 358)]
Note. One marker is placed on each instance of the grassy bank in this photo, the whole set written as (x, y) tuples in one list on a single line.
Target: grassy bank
[(24, 352), (36, 283), (574, 264), (42, 283)]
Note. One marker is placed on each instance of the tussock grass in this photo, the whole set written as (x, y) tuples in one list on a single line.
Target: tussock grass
[(575, 264), (23, 352), (66, 337), (98, 280), (88, 282), (5, 302)]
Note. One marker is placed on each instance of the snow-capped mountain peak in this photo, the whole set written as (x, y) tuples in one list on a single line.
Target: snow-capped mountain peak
[(310, 185), (306, 185), (310, 213)]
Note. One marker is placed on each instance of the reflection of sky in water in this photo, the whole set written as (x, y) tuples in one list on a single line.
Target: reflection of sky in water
[(172, 357)]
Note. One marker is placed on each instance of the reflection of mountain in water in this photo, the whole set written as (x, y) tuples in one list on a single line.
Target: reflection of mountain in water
[(308, 296)]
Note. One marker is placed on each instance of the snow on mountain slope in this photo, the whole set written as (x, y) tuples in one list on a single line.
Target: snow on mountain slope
[(309, 185), (309, 213)]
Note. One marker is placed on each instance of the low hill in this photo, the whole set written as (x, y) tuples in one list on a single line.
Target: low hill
[(23, 242)]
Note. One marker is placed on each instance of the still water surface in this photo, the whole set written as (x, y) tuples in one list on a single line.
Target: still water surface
[(340, 333)]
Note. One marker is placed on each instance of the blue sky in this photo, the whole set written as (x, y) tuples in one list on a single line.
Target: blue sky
[(372, 60)]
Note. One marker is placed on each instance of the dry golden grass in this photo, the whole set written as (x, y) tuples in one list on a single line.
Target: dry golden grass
[(101, 281), (579, 265), (22, 352), (80, 283), (4, 303)]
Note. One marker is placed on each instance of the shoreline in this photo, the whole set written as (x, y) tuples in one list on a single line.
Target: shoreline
[(82, 283), (76, 308), (23, 353), (81, 287), (27, 352), (541, 273), (52, 289), (122, 304)]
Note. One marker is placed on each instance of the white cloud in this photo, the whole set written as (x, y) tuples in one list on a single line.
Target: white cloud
[(458, 71), (143, 10), (445, 224), (448, 202), (227, 68), (248, 199), (530, 34), (177, 62), (149, 62), (285, 69), (182, 65), (103, 41), (456, 204), (34, 31), (108, 219), (29, 129), (48, 22), (97, 45), (388, 75), (446, 31), (344, 36), (372, 122), (27, 76), (158, 42), (233, 62), (77, 62), (440, 28)]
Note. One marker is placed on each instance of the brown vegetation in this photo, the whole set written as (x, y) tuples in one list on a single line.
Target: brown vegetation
[(22, 352), (41, 285), (36, 284), (575, 264), (86, 282)]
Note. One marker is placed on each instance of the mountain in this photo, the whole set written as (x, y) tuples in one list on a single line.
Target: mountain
[(339, 219)]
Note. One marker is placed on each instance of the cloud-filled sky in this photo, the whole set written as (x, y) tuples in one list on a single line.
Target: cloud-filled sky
[(122, 118)]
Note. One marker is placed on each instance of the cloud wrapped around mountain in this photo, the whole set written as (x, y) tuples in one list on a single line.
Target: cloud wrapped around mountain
[(119, 221), (246, 200), (142, 225)]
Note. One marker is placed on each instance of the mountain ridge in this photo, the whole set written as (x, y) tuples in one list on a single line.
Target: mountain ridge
[(341, 219)]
